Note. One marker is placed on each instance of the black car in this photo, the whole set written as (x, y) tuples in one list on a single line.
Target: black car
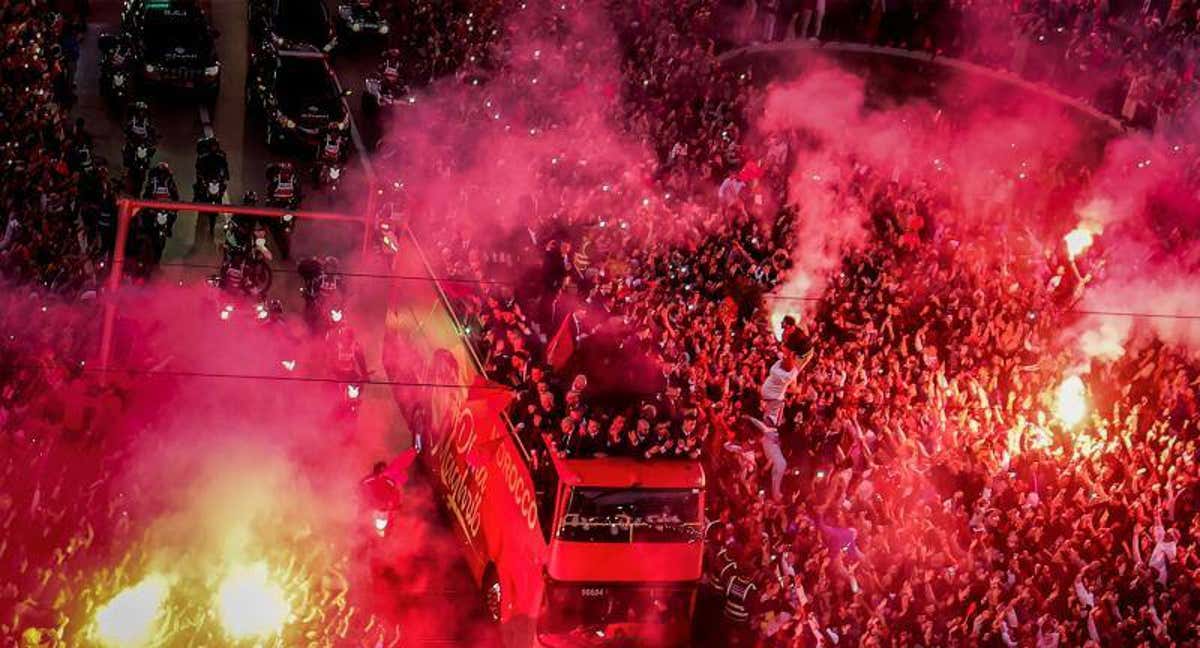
[(292, 24), (173, 45), (297, 94)]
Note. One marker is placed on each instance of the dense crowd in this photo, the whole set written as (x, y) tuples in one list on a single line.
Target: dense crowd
[(931, 495), (1134, 61)]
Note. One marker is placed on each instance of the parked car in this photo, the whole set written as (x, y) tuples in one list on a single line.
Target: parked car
[(173, 45), (297, 94)]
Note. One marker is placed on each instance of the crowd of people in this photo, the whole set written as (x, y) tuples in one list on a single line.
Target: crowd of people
[(922, 489), (1134, 61), (53, 191), (905, 482), (73, 534)]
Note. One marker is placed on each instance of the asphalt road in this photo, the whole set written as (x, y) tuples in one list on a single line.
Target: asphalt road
[(181, 120), (433, 595)]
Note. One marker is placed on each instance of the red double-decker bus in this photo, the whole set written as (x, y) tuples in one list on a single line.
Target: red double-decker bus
[(567, 551)]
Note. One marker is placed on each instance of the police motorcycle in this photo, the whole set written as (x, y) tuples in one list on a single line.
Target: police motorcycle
[(283, 192), (117, 60), (212, 176), (331, 159), (383, 90), (361, 17), (245, 267), (323, 291), (160, 223), (139, 149)]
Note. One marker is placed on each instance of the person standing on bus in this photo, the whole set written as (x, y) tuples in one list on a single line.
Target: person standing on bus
[(794, 354)]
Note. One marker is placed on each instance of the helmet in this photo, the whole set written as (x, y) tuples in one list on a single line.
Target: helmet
[(207, 144), (163, 167), (391, 53), (329, 263), (274, 307), (250, 198), (139, 107)]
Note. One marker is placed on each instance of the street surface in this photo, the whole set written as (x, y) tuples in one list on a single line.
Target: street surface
[(431, 593)]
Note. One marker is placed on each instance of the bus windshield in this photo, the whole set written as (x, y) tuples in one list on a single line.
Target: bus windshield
[(631, 515), (569, 608)]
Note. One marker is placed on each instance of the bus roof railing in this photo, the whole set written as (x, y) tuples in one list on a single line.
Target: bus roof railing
[(459, 331)]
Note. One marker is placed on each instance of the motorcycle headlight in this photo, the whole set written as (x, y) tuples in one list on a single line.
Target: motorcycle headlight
[(355, 27), (335, 173), (284, 119), (287, 218), (150, 69), (118, 80), (330, 45), (212, 70), (383, 28)]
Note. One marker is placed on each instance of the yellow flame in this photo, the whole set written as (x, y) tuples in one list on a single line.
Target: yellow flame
[(1070, 402), (1078, 240), (131, 618), (250, 604)]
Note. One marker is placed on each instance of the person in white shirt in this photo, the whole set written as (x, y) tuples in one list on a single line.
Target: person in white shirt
[(794, 354)]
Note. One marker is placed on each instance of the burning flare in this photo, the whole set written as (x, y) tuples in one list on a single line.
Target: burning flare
[(1070, 401), (1081, 238), (250, 604), (131, 618)]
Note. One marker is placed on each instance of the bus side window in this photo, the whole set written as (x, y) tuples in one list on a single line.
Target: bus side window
[(547, 496)]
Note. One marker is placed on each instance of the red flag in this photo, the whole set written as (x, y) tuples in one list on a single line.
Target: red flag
[(485, 398), (562, 345), (459, 288), (487, 401), (397, 470), (750, 171)]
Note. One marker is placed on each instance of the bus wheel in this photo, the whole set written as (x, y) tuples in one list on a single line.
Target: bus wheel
[(493, 595)]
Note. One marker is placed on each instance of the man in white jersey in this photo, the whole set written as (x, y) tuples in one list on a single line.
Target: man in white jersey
[(794, 354)]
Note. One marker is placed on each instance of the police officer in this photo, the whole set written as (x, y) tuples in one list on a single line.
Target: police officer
[(283, 192), (349, 361), (238, 232), (211, 166), (138, 126), (741, 600)]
